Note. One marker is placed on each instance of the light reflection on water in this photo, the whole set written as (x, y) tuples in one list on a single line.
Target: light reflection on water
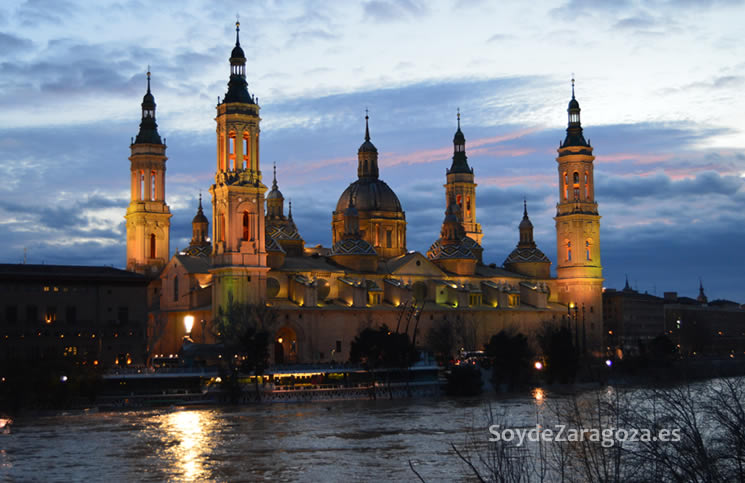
[(191, 430), (346, 440)]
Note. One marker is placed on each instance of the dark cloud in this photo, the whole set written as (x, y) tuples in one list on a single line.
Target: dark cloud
[(660, 186), (392, 11), (33, 13), (11, 44)]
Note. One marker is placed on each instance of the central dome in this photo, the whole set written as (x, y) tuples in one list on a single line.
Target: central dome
[(369, 195)]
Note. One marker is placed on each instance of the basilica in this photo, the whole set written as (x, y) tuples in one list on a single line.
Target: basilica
[(322, 297)]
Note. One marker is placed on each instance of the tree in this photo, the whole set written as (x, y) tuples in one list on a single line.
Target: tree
[(511, 358), (562, 360), (441, 341), (382, 348), (244, 331)]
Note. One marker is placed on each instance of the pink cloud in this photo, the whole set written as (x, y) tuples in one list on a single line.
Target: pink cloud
[(637, 158), (530, 179), (477, 146)]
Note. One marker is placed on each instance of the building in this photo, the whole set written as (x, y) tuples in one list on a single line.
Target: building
[(323, 296), (90, 315), (700, 327), (631, 319), (696, 326)]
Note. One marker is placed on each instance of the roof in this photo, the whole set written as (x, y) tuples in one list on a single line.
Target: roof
[(82, 273), (305, 263), (369, 194), (526, 255), (352, 246), (494, 271), (194, 264)]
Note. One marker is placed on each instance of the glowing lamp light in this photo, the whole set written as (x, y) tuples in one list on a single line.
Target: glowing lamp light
[(538, 394), (63, 379), (280, 339), (188, 323), (608, 362), (538, 365)]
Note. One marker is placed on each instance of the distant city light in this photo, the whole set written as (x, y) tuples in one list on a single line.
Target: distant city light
[(538, 365), (63, 379), (608, 362)]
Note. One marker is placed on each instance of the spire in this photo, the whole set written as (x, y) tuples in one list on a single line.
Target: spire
[(460, 160), (526, 228), (367, 126), (237, 31), (237, 86), (702, 298), (574, 129), (452, 229), (274, 182), (627, 287), (148, 127), (289, 215), (367, 155), (572, 86)]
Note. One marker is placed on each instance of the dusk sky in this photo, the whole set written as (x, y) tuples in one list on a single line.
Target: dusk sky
[(660, 84)]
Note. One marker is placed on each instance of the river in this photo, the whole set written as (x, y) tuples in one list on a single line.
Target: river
[(338, 441)]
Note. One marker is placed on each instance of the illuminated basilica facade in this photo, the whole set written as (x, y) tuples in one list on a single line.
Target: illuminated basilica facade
[(323, 296)]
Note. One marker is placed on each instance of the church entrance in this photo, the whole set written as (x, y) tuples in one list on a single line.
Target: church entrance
[(285, 346)]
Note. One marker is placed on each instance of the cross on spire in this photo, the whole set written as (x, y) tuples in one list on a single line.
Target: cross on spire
[(572, 85), (367, 127), (458, 110), (237, 28)]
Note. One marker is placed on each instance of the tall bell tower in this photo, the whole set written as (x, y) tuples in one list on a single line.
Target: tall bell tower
[(239, 254), (148, 215), (578, 267), (461, 187)]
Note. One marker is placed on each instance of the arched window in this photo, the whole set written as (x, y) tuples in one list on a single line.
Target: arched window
[(588, 251), (569, 251), (246, 155), (152, 186), (142, 186), (587, 186), (576, 177), (245, 225), (221, 154), (468, 205), (175, 288), (231, 152), (566, 186), (152, 245), (221, 228)]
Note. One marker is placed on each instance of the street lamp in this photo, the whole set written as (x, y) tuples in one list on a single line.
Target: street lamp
[(188, 324)]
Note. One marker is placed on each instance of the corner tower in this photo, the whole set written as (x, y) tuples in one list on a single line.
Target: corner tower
[(578, 267), (239, 254), (148, 215), (461, 188)]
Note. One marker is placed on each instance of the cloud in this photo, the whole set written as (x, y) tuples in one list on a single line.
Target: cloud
[(311, 35), (11, 44), (33, 13), (662, 187), (390, 11)]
